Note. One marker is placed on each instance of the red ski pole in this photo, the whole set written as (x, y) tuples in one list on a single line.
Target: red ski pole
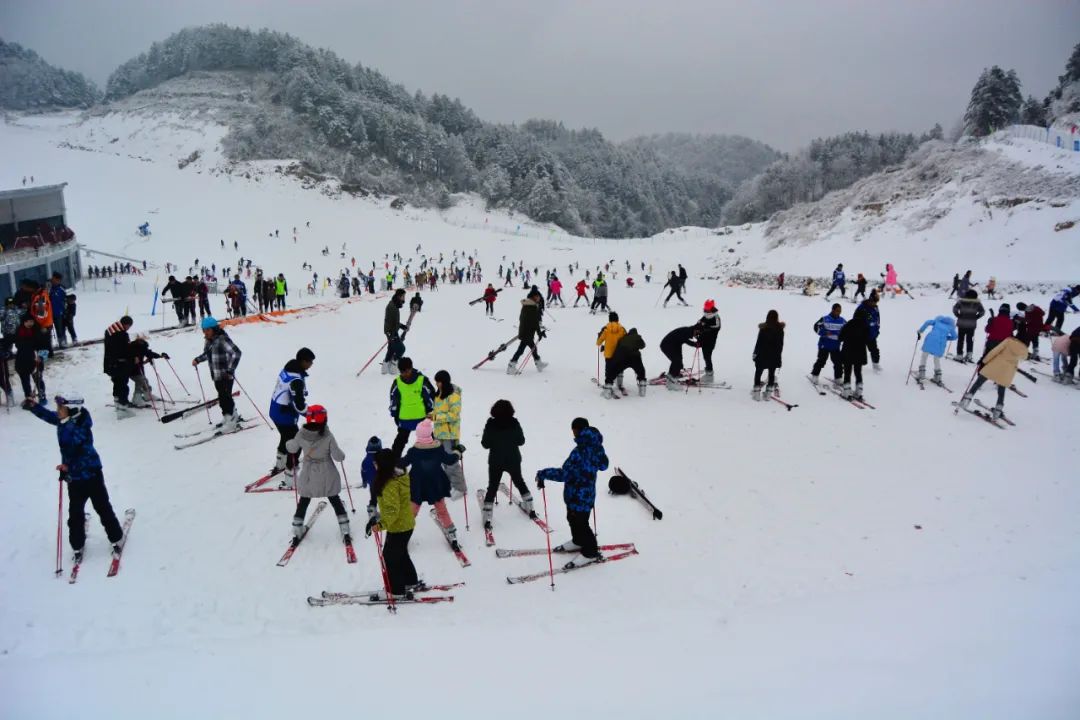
[(60, 526), (551, 563), (465, 497), (198, 376), (390, 605), (252, 402), (179, 380), (347, 488), (372, 359)]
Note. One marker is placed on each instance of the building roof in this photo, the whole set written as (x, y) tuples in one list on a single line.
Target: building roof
[(30, 192)]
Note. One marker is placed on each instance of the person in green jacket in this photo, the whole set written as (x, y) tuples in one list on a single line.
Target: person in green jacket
[(281, 289), (391, 487)]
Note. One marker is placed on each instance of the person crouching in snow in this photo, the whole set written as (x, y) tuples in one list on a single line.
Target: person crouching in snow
[(942, 332), (430, 484), (318, 475), (141, 354), (578, 475), (998, 365)]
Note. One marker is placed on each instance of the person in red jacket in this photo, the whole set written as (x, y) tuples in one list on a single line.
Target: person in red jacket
[(580, 287), (490, 295), (1034, 319), (999, 328)]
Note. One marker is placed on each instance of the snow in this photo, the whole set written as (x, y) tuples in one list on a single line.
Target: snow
[(787, 578)]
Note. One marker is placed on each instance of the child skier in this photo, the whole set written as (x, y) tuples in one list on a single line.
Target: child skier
[(430, 483), (1065, 349), (860, 287), (503, 438), (578, 475), (942, 332), (80, 466), (367, 474), (446, 415), (767, 354), (628, 357), (580, 288), (318, 475), (141, 354)]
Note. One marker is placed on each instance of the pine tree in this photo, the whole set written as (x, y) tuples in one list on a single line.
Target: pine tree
[(995, 102), (1033, 112)]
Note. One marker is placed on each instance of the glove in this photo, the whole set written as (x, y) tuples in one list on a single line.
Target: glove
[(539, 482), (542, 333), (27, 404), (43, 354), (371, 525), (918, 336), (460, 448), (165, 356)]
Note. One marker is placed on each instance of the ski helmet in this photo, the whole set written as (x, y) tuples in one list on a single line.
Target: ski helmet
[(619, 484), (315, 414), (208, 323)]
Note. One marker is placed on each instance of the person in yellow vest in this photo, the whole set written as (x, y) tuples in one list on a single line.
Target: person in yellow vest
[(281, 289), (609, 338), (411, 400)]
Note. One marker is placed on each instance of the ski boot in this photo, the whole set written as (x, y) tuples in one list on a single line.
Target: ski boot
[(671, 383), (511, 368), (540, 365), (846, 392), (937, 378), (123, 410), (117, 548), (280, 460), (230, 423), (965, 402), (771, 390), (527, 505), (581, 560), (641, 386), (997, 412), (77, 556), (373, 513), (607, 393), (814, 380), (385, 367), (921, 374), (139, 400), (756, 392), (857, 395), (486, 514), (346, 531), (567, 547), (707, 377), (451, 536), (619, 384), (968, 358), (877, 367)]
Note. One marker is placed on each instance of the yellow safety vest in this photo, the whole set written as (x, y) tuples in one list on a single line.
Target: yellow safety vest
[(412, 398)]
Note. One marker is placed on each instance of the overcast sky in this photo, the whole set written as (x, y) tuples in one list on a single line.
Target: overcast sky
[(780, 71)]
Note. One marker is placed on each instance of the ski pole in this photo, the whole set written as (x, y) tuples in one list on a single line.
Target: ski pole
[(372, 358), (693, 364), (465, 497), (60, 525), (252, 402), (162, 390), (551, 564), (918, 337), (657, 303), (179, 380), (198, 376), (970, 382), (597, 366), (595, 531), (347, 488), (390, 605)]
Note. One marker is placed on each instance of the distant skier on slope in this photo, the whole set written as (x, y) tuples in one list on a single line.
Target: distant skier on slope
[(675, 283), (838, 282)]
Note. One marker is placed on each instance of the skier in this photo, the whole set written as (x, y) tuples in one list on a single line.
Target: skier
[(578, 475), (873, 321), (30, 346), (608, 338), (1066, 349), (411, 400), (117, 364), (600, 294), (710, 329), (395, 344), (391, 486), (490, 296), (446, 414), (891, 285), (175, 288), (671, 346), (1062, 301), (287, 403), (556, 291), (367, 474), (259, 288), (991, 288), (80, 467), (860, 287), (580, 289), (955, 286), (838, 282), (968, 310), (998, 365), (1032, 327), (854, 336), (222, 355), (828, 329), (528, 327), (682, 277), (503, 438), (318, 475), (425, 461), (768, 351), (999, 328), (779, 281), (628, 357), (416, 304), (675, 283), (942, 331), (964, 285), (141, 354), (57, 295)]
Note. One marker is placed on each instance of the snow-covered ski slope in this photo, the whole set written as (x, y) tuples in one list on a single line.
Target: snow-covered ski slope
[(826, 562)]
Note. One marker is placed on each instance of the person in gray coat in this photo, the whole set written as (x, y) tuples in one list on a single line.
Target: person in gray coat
[(318, 476)]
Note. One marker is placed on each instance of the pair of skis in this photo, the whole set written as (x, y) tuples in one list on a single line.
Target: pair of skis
[(622, 390), (489, 535), (454, 545), (184, 412), (205, 436), (621, 552), (416, 596), (350, 552), (921, 382), (775, 395), (491, 355), (692, 381), (114, 564), (979, 414), (638, 493), (832, 387)]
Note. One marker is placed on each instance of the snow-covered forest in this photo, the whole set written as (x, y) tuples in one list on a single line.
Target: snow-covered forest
[(29, 83)]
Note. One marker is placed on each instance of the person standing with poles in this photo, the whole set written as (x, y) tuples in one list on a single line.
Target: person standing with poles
[(580, 288), (395, 345), (222, 355), (528, 328), (287, 403), (446, 414), (675, 283), (942, 332), (318, 475), (391, 487), (578, 475), (80, 466), (828, 330)]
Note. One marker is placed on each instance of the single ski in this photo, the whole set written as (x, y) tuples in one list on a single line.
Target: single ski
[(455, 546), (421, 588), (350, 553), (420, 600), (489, 536), (1018, 391), (214, 436), (114, 566), (176, 415), (491, 355), (517, 501), (263, 480), (986, 407), (295, 543), (481, 298), (816, 386), (505, 553), (857, 403), (518, 579)]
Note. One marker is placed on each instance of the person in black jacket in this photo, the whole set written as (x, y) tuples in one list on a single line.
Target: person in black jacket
[(628, 357), (853, 339), (710, 329), (528, 328), (675, 283), (175, 288), (503, 438), (767, 354), (118, 363), (671, 346), (30, 346)]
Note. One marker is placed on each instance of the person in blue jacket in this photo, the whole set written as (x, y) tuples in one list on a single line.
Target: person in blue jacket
[(578, 475), (367, 475), (80, 467), (287, 404), (838, 281), (873, 322), (828, 330), (1062, 302), (942, 332), (58, 300)]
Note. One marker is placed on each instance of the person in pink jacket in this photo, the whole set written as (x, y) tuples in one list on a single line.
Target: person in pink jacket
[(556, 291), (890, 279)]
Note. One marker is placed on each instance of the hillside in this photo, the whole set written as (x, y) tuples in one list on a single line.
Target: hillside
[(27, 82)]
